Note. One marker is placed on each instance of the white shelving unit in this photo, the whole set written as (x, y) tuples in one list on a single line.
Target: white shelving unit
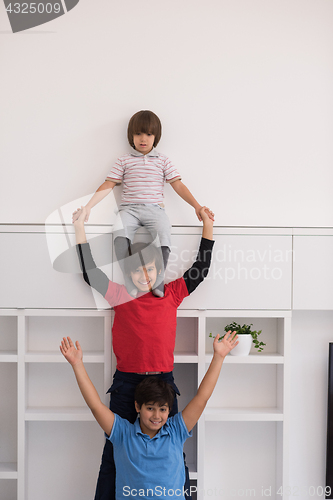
[(41, 388), (30, 340), (260, 379)]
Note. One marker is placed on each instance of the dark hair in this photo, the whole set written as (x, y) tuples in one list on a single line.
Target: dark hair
[(145, 122), (141, 254), (154, 390)]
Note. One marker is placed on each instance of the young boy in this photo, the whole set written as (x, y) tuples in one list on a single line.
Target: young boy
[(144, 329), (142, 172), (149, 453)]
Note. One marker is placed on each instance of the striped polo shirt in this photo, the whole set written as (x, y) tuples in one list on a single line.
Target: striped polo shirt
[(143, 176)]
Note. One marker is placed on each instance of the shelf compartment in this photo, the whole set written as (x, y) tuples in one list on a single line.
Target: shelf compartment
[(8, 337), (69, 447), (8, 416), (272, 332), (8, 489), (8, 470), (248, 386), (44, 333), (240, 458), (186, 376), (187, 336), (53, 385)]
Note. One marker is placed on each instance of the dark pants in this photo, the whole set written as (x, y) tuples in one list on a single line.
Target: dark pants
[(122, 403)]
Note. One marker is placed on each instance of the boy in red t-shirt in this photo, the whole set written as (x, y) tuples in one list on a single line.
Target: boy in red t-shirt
[(150, 322)]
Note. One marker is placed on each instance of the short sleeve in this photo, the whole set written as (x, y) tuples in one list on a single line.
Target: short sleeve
[(117, 295), (171, 174), (177, 425), (119, 428), (179, 290), (117, 172)]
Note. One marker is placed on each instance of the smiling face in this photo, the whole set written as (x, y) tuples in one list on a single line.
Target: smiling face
[(152, 417), (143, 143), (144, 278)]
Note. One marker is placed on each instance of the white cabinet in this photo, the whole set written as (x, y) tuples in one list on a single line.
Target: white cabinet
[(28, 279), (313, 271), (248, 271), (45, 424)]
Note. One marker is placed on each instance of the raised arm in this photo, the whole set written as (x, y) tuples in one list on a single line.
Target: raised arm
[(187, 196), (91, 274), (103, 190), (199, 270), (196, 406), (74, 356), (208, 223)]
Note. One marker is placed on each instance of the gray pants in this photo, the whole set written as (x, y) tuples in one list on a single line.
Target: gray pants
[(132, 216)]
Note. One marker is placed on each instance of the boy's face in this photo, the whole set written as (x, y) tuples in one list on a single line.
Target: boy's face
[(144, 278), (143, 142), (152, 417)]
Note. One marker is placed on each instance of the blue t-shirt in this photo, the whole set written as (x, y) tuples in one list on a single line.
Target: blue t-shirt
[(149, 468)]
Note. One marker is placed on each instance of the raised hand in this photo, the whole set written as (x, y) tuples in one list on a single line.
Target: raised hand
[(73, 353), (224, 346)]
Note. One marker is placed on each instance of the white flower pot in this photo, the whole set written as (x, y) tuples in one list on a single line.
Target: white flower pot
[(244, 345)]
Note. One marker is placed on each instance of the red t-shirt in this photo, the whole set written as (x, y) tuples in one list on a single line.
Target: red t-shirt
[(144, 329)]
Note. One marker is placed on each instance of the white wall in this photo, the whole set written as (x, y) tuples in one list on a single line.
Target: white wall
[(243, 89)]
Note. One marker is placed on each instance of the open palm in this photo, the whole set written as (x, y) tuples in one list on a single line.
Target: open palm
[(224, 346), (73, 353)]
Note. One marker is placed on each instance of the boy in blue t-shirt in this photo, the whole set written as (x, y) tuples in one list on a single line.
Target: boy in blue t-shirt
[(149, 453)]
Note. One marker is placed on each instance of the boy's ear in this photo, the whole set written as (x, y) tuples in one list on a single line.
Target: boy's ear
[(137, 407)]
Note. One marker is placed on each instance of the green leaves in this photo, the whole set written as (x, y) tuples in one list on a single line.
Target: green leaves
[(245, 330)]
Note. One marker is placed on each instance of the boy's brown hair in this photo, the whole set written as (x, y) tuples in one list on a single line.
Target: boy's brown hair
[(154, 390), (141, 254), (145, 122)]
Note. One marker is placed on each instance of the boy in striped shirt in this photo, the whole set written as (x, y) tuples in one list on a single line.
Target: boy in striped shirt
[(142, 172)]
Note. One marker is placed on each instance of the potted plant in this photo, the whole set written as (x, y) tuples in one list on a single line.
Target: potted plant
[(246, 337)]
